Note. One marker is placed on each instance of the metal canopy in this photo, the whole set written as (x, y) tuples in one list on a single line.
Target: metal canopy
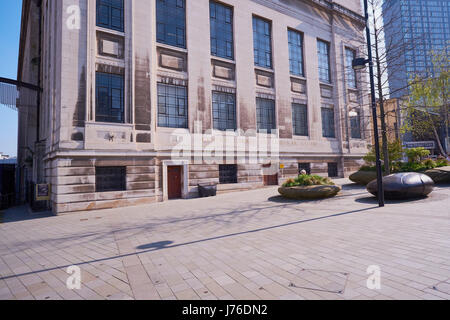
[(15, 94)]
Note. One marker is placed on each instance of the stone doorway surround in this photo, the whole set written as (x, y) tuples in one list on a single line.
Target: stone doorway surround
[(184, 181)]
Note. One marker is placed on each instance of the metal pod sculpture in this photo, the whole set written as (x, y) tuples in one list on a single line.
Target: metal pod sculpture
[(404, 186)]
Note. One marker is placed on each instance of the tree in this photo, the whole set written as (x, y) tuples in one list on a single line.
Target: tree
[(389, 60), (428, 105), (395, 154)]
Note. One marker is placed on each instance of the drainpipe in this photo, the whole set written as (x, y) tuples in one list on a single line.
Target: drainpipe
[(38, 101)]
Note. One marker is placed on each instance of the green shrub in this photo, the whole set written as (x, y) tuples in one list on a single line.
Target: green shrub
[(429, 164), (416, 154), (308, 180), (395, 152), (441, 162)]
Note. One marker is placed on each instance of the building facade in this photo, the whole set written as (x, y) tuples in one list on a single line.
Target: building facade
[(127, 83), (419, 28)]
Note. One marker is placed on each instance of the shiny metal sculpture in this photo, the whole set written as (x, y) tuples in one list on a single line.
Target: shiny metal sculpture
[(404, 186)]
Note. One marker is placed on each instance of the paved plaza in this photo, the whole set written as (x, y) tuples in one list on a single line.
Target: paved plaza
[(242, 245)]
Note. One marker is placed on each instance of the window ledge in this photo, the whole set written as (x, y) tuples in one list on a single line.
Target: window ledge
[(170, 47), (109, 124), (223, 59), (301, 138), (117, 33), (264, 69), (298, 77)]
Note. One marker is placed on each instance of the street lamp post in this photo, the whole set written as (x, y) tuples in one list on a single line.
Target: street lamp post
[(358, 64)]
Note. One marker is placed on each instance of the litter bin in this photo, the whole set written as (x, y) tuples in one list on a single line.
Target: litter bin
[(207, 190)]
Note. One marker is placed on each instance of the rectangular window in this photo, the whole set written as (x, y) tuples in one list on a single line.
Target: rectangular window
[(108, 179), (300, 119), (328, 128), (228, 174), (262, 42), (304, 166), (221, 24), (355, 125), (110, 14), (265, 111), (171, 22), (295, 52), (109, 98), (172, 106), (323, 52), (224, 111), (350, 55)]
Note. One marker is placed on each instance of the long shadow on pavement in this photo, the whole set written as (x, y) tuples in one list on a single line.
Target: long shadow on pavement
[(169, 244)]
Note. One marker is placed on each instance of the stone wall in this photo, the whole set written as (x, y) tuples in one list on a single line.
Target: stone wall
[(73, 184)]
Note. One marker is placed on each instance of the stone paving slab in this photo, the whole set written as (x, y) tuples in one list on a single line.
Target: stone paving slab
[(243, 245)]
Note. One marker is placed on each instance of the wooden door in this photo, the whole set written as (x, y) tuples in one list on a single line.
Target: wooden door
[(271, 180), (174, 182)]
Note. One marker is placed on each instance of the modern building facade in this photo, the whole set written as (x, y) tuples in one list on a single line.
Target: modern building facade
[(417, 28), (125, 82)]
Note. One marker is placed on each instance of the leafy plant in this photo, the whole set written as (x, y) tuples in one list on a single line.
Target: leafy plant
[(441, 162), (429, 164), (395, 154), (308, 180), (416, 154)]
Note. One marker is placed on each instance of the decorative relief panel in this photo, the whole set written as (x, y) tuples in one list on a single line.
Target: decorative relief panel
[(326, 92), (298, 86), (264, 79), (173, 60), (353, 96), (110, 45), (222, 70)]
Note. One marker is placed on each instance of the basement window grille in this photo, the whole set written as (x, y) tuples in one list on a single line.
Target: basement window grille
[(108, 179), (228, 174)]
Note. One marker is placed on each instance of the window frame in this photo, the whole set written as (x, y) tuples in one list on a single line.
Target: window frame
[(172, 16), (176, 112), (109, 118), (358, 134), (256, 49), (324, 124), (302, 55), (350, 70), (216, 5), (259, 115), (110, 6), (216, 94), (295, 121), (320, 55)]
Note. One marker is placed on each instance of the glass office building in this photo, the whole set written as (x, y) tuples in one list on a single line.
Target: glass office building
[(414, 29)]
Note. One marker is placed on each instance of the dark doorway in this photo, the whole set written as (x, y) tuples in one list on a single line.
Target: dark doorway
[(271, 180), (333, 170), (304, 166), (174, 182)]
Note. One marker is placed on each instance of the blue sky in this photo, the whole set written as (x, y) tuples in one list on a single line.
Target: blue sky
[(10, 14)]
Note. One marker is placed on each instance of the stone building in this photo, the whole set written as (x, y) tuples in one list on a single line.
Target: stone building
[(123, 81)]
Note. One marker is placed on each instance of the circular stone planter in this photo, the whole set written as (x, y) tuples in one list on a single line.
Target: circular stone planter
[(401, 186), (309, 192), (439, 175), (363, 177)]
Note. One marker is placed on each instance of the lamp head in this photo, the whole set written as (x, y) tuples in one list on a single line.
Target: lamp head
[(359, 63)]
